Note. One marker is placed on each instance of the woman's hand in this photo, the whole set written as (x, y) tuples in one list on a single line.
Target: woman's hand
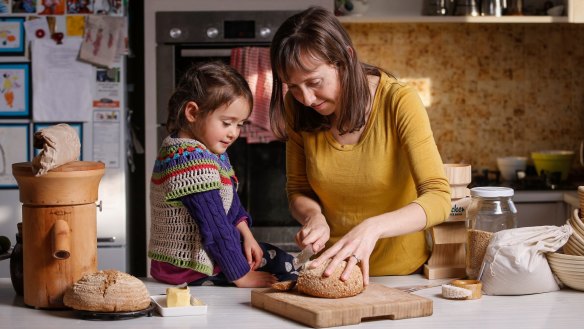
[(256, 279), (355, 247), (315, 232)]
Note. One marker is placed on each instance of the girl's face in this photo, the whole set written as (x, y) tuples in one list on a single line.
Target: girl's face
[(318, 87), (220, 128)]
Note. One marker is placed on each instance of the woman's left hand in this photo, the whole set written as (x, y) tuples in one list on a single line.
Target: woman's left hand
[(355, 247)]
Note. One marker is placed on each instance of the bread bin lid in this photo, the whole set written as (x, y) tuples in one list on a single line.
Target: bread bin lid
[(73, 183)]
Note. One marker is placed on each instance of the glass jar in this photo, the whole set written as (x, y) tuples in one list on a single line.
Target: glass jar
[(491, 210)]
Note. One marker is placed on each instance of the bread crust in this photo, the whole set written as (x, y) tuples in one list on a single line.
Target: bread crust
[(107, 291), (311, 282)]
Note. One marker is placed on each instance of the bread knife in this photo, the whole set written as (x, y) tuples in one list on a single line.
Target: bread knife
[(303, 257)]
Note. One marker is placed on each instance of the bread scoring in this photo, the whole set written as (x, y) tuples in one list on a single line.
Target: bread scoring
[(107, 291), (311, 282)]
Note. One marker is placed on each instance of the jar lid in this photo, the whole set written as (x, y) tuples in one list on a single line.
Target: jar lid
[(491, 191)]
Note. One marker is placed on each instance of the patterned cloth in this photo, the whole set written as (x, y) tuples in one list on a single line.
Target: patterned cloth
[(254, 65), (276, 261)]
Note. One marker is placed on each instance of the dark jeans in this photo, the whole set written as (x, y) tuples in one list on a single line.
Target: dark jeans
[(276, 261)]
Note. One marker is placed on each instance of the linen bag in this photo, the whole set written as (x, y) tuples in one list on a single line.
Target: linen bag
[(59, 144), (515, 262)]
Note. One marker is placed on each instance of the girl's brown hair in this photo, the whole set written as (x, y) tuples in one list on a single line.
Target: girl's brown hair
[(318, 33), (210, 85)]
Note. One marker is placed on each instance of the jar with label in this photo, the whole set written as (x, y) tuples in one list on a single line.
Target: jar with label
[(491, 210)]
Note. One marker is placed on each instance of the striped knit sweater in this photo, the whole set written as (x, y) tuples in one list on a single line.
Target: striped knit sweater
[(184, 167)]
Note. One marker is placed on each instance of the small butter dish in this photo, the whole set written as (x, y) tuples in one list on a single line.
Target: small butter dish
[(195, 309)]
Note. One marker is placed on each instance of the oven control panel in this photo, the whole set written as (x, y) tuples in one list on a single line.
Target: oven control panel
[(220, 26)]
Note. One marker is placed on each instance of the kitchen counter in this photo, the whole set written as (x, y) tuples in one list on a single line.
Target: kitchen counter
[(231, 308)]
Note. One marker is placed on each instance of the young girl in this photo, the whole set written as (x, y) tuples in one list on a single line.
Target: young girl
[(200, 231)]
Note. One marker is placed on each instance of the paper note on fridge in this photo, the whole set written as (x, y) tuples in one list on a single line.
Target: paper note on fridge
[(61, 83)]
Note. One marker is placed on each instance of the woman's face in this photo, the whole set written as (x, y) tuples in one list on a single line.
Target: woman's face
[(318, 87)]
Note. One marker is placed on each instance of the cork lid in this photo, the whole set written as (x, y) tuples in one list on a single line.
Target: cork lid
[(73, 183), (26, 167)]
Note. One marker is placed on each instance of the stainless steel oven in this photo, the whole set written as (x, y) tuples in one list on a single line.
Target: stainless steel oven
[(184, 38)]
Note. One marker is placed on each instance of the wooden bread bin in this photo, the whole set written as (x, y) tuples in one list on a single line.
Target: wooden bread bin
[(59, 228)]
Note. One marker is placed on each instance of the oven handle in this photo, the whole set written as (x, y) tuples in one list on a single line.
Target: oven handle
[(225, 52)]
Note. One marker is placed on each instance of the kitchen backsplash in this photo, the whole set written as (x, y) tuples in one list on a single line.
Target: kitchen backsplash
[(490, 89)]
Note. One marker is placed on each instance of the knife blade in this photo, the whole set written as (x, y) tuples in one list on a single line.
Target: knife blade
[(303, 257)]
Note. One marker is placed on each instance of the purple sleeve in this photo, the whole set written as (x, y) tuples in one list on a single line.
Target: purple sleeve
[(237, 212), (220, 237)]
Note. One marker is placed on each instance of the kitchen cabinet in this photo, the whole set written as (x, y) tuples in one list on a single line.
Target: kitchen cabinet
[(399, 11), (536, 208), (541, 213)]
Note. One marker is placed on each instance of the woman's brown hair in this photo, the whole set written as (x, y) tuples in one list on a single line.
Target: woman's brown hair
[(318, 33)]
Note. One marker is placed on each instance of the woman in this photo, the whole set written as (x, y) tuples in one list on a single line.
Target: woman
[(364, 176)]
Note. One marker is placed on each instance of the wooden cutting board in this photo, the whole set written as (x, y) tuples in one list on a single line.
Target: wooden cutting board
[(377, 302)]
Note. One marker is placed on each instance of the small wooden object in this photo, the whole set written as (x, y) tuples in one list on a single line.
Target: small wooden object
[(377, 302), (59, 228), (449, 238), (475, 286)]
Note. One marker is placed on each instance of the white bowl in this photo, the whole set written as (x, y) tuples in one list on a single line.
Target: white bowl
[(556, 10), (508, 166)]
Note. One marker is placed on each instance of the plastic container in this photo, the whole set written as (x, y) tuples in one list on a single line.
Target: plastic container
[(491, 210)]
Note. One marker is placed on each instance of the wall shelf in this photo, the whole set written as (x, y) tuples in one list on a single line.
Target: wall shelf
[(452, 19), (399, 11)]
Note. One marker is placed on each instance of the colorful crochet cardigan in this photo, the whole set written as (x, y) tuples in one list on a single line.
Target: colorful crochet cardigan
[(183, 167)]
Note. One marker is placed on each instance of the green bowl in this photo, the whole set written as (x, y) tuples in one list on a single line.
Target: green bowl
[(553, 161)]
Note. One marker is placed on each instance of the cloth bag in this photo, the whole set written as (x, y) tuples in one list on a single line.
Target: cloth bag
[(59, 144), (515, 262)]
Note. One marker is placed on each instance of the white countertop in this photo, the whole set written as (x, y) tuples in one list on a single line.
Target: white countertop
[(231, 308)]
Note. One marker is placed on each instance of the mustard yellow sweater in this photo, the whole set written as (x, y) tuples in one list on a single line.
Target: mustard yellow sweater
[(396, 162)]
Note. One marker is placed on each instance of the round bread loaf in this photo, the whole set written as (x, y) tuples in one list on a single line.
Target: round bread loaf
[(311, 282), (107, 291)]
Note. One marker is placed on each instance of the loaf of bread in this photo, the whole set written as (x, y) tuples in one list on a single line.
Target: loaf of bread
[(107, 291), (311, 282)]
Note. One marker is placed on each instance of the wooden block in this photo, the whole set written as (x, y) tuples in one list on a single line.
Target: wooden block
[(377, 302), (435, 272)]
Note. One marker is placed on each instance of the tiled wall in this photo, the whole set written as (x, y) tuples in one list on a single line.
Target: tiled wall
[(490, 89)]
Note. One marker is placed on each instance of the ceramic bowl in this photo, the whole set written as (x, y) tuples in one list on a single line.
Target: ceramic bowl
[(551, 161), (556, 10), (508, 166)]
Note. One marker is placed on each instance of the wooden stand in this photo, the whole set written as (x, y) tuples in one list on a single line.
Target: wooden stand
[(59, 228), (449, 238)]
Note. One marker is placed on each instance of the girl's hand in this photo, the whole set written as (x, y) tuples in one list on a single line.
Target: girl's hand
[(253, 252), (315, 231), (355, 247), (251, 249), (256, 279)]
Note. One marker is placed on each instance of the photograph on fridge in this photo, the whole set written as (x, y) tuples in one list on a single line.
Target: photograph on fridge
[(15, 90), (78, 126), (51, 7), (12, 36), (14, 148), (24, 6), (4, 8)]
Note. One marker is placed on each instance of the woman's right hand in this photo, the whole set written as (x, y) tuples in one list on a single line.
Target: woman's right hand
[(315, 231), (256, 279)]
